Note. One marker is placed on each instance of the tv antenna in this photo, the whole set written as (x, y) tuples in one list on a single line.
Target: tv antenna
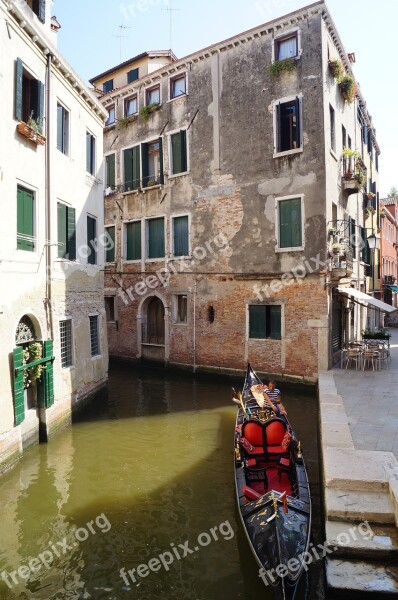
[(170, 10), (121, 37)]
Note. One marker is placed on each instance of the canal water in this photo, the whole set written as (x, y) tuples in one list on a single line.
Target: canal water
[(146, 471)]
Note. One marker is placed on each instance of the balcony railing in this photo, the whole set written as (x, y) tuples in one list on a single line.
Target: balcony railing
[(138, 184), (354, 174)]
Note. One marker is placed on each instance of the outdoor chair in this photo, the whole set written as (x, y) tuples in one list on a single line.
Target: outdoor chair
[(353, 355), (371, 357)]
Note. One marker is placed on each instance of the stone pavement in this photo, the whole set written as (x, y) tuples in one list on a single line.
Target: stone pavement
[(371, 403)]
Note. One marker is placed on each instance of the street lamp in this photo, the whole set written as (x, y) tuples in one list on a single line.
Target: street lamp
[(374, 244)]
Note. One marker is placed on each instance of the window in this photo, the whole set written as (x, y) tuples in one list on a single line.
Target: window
[(62, 129), (132, 75), (334, 214), (110, 309), (25, 219), (92, 240), (65, 334), (152, 163), (353, 236), (29, 96), (111, 117), (110, 244), (344, 136), (290, 223), (130, 106), (288, 129), (107, 86), (180, 236), (94, 335), (286, 46), (178, 86), (133, 240), (90, 153), (178, 162), (180, 308), (66, 231), (265, 321), (155, 231), (332, 128), (39, 8), (153, 95), (110, 175), (131, 160)]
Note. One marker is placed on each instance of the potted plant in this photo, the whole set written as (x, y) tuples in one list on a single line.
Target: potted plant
[(32, 353), (332, 231), (337, 248), (32, 129), (336, 69), (146, 111), (278, 66), (151, 182), (348, 88)]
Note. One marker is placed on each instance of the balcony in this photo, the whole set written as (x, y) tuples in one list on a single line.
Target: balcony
[(341, 262), (147, 182), (354, 173)]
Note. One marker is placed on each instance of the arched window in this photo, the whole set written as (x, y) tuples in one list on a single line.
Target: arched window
[(155, 321), (25, 331)]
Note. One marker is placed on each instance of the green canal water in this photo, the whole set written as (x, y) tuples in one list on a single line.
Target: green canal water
[(146, 470)]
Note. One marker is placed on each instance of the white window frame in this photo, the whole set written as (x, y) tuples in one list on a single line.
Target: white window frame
[(174, 76), (172, 217), (160, 258), (109, 108), (99, 340), (174, 308), (73, 353), (124, 241), (280, 303), (105, 227), (170, 174), (149, 88), (275, 104), (127, 99), (68, 143), (294, 248), (285, 35)]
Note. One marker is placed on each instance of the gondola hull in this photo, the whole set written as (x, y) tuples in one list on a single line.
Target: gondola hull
[(273, 499)]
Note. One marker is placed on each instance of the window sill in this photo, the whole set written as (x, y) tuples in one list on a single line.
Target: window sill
[(332, 152), (151, 187), (185, 257), (110, 126), (154, 260), (153, 345), (132, 261), (131, 192), (177, 98), (175, 175), (288, 152), (263, 340), (180, 324), (293, 249), (96, 357)]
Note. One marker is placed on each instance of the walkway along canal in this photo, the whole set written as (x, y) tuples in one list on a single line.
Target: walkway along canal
[(146, 471)]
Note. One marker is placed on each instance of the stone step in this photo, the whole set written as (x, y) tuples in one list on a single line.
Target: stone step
[(362, 540), (357, 579), (346, 505), (369, 474)]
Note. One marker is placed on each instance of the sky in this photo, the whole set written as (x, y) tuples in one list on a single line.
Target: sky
[(90, 39)]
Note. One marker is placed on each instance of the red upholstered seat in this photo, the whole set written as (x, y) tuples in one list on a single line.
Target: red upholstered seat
[(250, 493), (253, 432), (275, 432)]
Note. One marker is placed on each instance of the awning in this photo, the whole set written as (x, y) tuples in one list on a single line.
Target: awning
[(366, 300), (394, 288)]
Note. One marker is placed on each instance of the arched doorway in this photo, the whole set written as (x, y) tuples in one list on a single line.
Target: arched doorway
[(155, 321), (152, 324)]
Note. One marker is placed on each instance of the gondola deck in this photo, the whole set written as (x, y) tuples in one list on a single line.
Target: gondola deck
[(272, 491)]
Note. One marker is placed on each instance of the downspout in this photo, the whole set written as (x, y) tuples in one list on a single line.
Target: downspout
[(48, 299), (194, 325)]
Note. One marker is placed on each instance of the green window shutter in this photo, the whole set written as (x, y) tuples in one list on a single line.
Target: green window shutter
[(18, 89), (91, 236), (19, 401), (88, 152), (145, 168), (133, 233), (179, 152), (352, 236), (25, 216), (257, 321), (71, 233), (161, 168), (110, 171), (290, 234), (128, 169), (180, 236), (156, 238), (136, 167), (298, 124), (45, 390), (60, 127), (62, 238), (110, 243), (276, 312), (296, 222)]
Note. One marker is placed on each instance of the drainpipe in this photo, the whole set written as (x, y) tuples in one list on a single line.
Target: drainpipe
[(194, 325), (48, 199)]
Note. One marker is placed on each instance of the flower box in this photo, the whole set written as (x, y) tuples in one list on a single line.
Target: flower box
[(32, 135)]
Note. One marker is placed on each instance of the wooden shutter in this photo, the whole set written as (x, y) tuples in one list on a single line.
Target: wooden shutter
[(279, 127), (128, 169), (91, 235), (19, 403), (257, 322), (352, 233), (161, 173), (42, 11), (60, 127), (180, 236), (133, 232), (40, 104), (132, 75), (285, 225), (71, 233), (145, 169), (62, 237), (179, 152), (45, 390), (25, 216), (110, 252), (298, 123), (275, 312), (156, 238), (136, 167), (18, 89), (110, 171), (88, 152)]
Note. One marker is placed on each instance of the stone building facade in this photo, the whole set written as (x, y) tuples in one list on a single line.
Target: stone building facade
[(389, 249), (225, 172), (52, 306)]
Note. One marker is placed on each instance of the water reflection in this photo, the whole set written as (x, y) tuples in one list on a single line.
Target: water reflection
[(155, 458)]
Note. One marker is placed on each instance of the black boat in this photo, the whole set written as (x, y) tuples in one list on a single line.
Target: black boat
[(273, 492)]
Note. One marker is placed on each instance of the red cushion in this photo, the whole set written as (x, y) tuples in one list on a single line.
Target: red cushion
[(253, 432), (251, 462), (250, 493), (275, 450), (284, 462), (275, 433)]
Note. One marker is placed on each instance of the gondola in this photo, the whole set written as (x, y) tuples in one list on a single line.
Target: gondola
[(272, 491)]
